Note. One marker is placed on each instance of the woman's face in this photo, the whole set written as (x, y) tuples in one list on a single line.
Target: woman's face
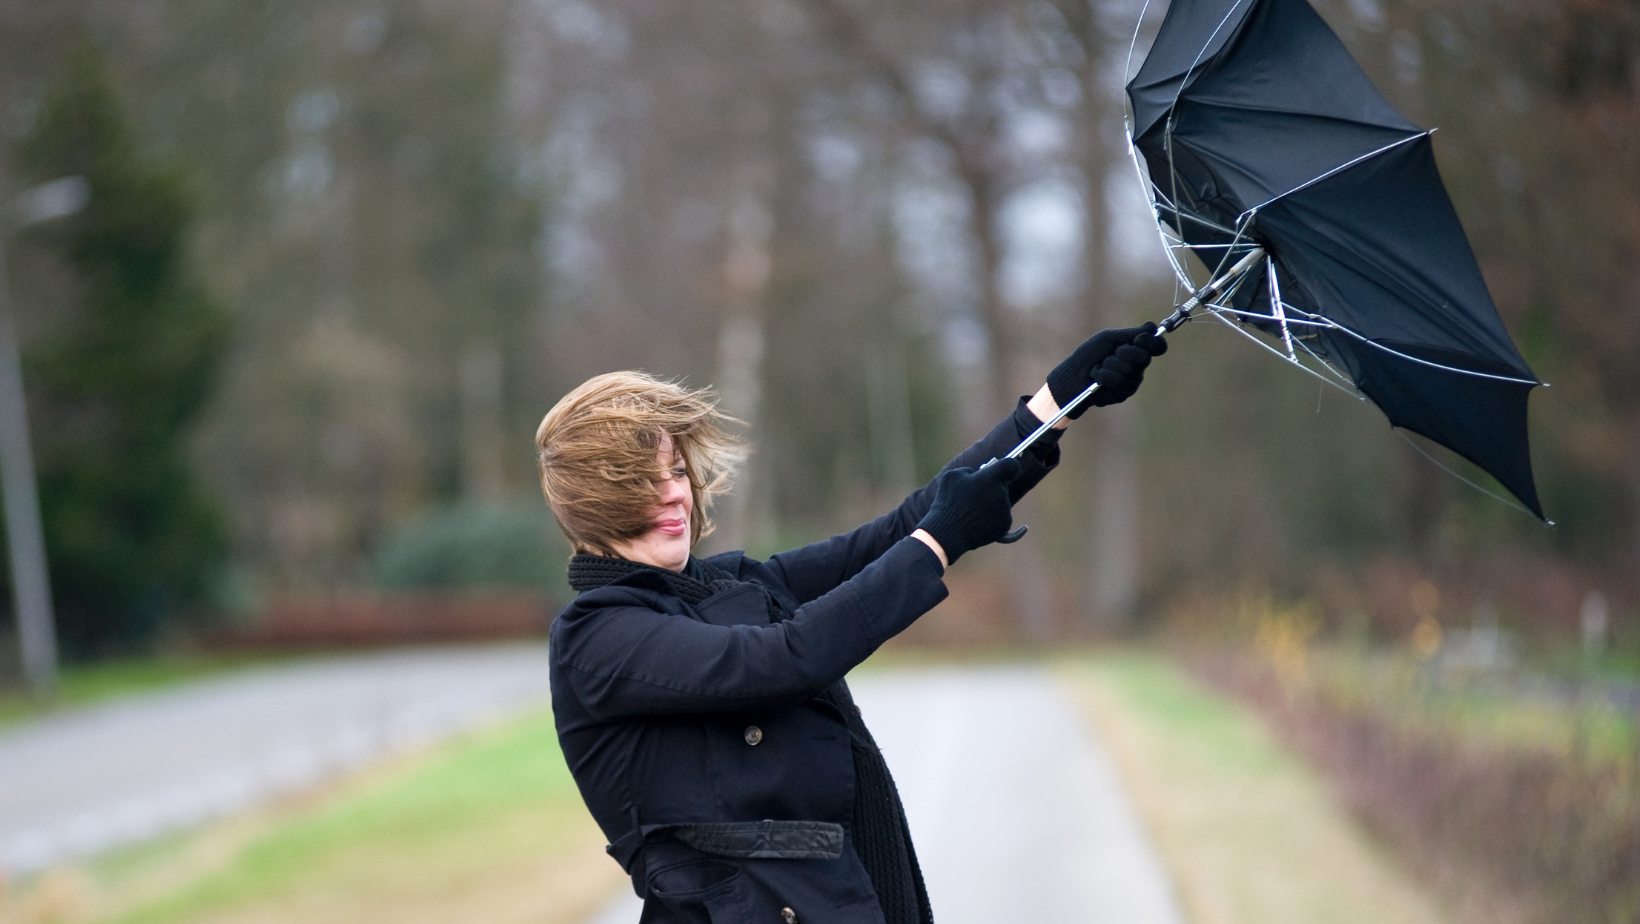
[(666, 545)]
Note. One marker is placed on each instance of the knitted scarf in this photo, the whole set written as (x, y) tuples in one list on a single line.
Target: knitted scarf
[(882, 839), (697, 581)]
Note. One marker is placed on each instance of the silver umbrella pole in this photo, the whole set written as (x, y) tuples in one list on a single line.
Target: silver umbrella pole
[(1181, 313)]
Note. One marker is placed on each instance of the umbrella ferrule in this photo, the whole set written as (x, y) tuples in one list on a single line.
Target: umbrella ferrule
[(1180, 315)]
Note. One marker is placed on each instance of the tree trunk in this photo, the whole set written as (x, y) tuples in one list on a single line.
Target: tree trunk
[(740, 344), (1111, 471), (1112, 592), (483, 437)]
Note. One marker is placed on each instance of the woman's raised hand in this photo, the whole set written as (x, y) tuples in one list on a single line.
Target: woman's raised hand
[(971, 508), (1116, 359)]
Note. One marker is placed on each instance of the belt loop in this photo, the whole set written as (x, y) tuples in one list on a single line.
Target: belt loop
[(628, 851)]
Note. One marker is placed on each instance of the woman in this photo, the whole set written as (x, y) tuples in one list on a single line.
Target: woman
[(701, 703)]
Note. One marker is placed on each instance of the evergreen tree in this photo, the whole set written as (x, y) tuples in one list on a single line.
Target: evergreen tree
[(118, 382)]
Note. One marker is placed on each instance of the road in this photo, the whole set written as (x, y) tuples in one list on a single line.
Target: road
[(1017, 813), (95, 778)]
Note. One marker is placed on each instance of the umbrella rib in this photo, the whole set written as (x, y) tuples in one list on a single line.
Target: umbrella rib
[(1508, 502), (1383, 272), (1275, 304), (1173, 107), (1171, 247), (1219, 316), (1241, 229), (1305, 322), (1185, 78), (1160, 200), (1327, 323), (1204, 222), (1344, 166), (1127, 67), (1333, 370), (1334, 325), (1210, 102), (1172, 177), (1324, 324), (1152, 191)]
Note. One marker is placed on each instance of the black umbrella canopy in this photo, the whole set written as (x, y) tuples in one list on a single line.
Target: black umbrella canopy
[(1258, 128)]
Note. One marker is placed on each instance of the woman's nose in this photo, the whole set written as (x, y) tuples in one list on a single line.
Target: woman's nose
[(673, 491)]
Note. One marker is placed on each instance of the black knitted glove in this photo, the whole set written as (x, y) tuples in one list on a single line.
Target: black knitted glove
[(1116, 359), (971, 508)]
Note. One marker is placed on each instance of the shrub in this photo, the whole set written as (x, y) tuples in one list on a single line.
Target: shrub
[(474, 545)]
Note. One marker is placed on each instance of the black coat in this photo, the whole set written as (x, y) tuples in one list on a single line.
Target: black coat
[(695, 733)]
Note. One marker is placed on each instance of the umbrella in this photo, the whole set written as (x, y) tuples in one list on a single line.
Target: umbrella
[(1318, 210)]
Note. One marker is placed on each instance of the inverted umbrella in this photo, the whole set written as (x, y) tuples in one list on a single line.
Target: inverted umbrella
[(1319, 212)]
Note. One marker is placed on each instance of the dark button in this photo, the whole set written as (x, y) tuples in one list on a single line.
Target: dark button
[(753, 734), (858, 711), (788, 915)]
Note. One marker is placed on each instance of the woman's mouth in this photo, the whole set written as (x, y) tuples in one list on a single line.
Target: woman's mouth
[(673, 526)]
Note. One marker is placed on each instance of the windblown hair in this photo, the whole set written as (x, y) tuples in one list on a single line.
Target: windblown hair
[(597, 449)]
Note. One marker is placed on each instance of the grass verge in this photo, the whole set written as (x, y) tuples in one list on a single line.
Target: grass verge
[(487, 828), (1249, 833)]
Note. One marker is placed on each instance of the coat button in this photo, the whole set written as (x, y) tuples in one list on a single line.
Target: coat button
[(788, 915), (753, 734)]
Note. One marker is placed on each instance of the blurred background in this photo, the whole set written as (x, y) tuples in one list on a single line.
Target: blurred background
[(284, 365), (338, 260)]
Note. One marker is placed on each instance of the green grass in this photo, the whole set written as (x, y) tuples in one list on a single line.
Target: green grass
[(498, 793), (1250, 834)]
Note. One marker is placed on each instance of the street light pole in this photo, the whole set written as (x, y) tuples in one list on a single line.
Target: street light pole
[(30, 583), (30, 586)]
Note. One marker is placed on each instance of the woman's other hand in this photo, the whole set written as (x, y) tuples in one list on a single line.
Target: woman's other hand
[(1116, 359), (971, 508)]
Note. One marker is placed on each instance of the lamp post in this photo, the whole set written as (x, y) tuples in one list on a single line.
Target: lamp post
[(30, 586)]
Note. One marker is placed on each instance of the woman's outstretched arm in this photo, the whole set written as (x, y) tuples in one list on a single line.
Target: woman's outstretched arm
[(1116, 359)]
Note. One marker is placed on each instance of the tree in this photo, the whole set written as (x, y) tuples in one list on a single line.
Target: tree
[(119, 381)]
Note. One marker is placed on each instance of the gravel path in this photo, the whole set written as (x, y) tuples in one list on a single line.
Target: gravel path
[(95, 778), (1017, 813)]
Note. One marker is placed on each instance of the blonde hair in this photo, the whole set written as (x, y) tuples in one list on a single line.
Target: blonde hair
[(598, 452)]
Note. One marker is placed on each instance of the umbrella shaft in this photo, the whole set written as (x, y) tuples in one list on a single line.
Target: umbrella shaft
[(1047, 425), (1184, 311)]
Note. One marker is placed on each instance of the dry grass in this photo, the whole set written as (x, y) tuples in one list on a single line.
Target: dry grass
[(549, 888), (1515, 809), (1249, 834)]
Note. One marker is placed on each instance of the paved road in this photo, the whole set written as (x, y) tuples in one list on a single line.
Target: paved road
[(95, 778), (1016, 811)]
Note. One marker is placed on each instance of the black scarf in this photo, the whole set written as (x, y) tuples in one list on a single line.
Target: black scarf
[(882, 839), (697, 581)]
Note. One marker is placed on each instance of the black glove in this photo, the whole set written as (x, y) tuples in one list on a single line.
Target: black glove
[(1116, 359), (971, 508)]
